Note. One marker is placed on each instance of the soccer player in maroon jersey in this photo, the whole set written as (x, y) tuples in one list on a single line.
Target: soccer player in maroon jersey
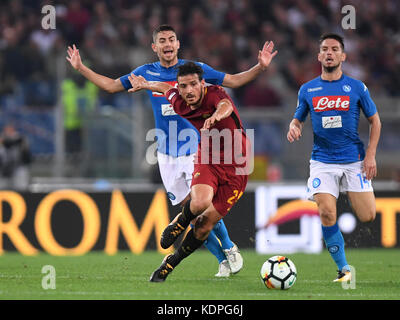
[(220, 172), (176, 168)]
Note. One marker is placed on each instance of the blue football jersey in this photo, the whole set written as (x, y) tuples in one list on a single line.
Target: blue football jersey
[(176, 136), (334, 108)]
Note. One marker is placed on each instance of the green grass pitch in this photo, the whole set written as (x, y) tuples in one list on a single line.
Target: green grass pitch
[(125, 276)]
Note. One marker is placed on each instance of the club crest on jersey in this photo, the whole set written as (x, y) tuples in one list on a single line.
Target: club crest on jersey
[(346, 88), (327, 103), (206, 115)]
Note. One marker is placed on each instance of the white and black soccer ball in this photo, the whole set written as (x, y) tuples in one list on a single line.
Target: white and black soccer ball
[(278, 272)]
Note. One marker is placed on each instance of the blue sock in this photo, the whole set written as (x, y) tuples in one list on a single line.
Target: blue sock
[(335, 243), (222, 234), (214, 246)]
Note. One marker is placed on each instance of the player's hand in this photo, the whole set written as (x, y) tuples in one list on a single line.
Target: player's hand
[(137, 82), (210, 122), (369, 167), (74, 57), (294, 133), (266, 54)]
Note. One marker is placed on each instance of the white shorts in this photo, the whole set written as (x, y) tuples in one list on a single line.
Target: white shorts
[(176, 174), (335, 178)]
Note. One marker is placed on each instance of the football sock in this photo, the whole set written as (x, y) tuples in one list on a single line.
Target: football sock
[(188, 246), (214, 246), (222, 235), (335, 243), (186, 216)]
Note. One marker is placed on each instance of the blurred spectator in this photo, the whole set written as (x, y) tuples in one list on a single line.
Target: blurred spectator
[(77, 19), (229, 32), (79, 98), (261, 94), (15, 158), (353, 67), (7, 80), (226, 34), (45, 40)]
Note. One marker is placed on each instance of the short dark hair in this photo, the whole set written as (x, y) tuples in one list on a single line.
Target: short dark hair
[(190, 68), (332, 36), (163, 27)]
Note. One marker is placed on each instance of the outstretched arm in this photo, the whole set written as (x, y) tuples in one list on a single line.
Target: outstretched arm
[(139, 83), (105, 83), (264, 59), (224, 110)]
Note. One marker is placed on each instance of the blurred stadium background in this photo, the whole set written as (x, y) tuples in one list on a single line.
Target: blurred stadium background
[(102, 147)]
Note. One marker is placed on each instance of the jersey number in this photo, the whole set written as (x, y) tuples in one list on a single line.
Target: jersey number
[(236, 196), (363, 180)]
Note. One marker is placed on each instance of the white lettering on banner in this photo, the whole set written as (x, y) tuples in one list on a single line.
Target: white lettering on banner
[(340, 103), (268, 239)]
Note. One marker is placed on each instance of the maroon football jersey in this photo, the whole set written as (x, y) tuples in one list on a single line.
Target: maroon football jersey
[(225, 143)]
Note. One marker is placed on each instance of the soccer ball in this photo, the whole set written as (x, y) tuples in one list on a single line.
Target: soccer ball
[(278, 272)]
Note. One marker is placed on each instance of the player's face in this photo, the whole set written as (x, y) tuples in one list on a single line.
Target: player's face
[(166, 47), (191, 89), (331, 54)]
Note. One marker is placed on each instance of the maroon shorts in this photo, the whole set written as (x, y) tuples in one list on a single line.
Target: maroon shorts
[(227, 184)]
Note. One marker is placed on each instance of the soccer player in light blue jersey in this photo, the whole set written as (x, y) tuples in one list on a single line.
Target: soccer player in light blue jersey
[(177, 139), (339, 162)]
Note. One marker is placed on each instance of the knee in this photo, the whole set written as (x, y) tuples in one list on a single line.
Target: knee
[(202, 227), (368, 216), (183, 202), (328, 217), (197, 206)]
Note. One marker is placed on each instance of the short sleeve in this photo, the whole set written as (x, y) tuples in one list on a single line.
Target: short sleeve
[(302, 106), (366, 103), (211, 75), (175, 99), (125, 81), (172, 95), (218, 94)]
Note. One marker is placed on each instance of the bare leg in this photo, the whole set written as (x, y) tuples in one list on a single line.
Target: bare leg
[(363, 204)]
